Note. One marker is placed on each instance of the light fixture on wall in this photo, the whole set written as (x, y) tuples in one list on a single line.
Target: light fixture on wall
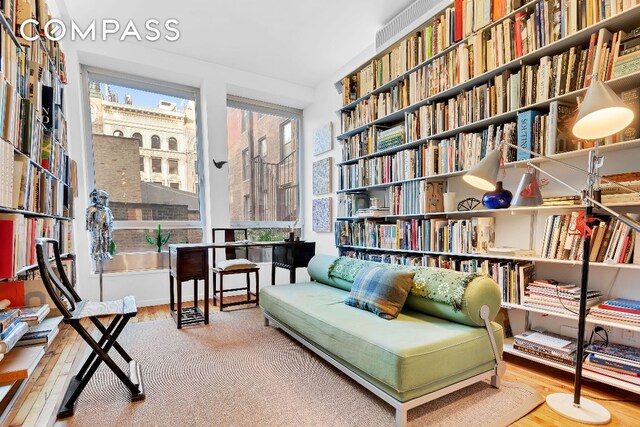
[(601, 114)]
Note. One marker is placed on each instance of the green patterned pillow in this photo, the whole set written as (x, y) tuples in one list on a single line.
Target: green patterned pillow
[(380, 291)]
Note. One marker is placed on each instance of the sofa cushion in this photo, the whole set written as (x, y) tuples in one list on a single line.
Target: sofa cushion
[(407, 357), (380, 291)]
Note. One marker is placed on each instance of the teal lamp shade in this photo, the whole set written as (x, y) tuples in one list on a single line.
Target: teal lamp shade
[(602, 113), (485, 174), (528, 192)]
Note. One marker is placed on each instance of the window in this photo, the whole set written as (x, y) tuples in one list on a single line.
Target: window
[(286, 133), (137, 136), (156, 165), (271, 199), (245, 120), (173, 166), (117, 133), (155, 142), (262, 143), (245, 164), (145, 194)]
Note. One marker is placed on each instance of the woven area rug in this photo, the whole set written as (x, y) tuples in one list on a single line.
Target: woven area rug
[(236, 372)]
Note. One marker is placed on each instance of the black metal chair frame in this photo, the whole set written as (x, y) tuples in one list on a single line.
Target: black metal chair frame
[(59, 284), (230, 253)]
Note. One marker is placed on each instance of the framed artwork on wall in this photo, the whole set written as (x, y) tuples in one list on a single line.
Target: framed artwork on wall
[(321, 215), (323, 139), (322, 176)]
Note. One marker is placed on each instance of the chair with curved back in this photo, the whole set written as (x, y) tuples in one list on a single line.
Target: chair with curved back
[(74, 310), (233, 264)]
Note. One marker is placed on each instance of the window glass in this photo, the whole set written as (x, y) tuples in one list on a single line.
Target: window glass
[(146, 191), (270, 199)]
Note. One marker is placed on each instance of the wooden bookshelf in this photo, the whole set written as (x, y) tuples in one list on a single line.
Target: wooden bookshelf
[(398, 114)]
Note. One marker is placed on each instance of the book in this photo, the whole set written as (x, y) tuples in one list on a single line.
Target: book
[(7, 317), (617, 351), (631, 99), (525, 133), (19, 363), (34, 315), (12, 337), (43, 333)]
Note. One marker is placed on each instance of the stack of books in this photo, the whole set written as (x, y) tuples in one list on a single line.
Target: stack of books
[(618, 310), (611, 193), (558, 297), (11, 329), (627, 48), (42, 333), (561, 201), (372, 212), (34, 315), (547, 345), (614, 360), (392, 137)]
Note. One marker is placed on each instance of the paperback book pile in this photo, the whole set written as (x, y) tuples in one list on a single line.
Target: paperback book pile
[(618, 310), (614, 360), (11, 328), (42, 333), (611, 240), (34, 315), (390, 137), (372, 212), (561, 201), (547, 345), (627, 53), (612, 193), (556, 296)]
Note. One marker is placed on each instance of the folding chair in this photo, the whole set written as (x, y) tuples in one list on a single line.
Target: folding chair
[(74, 309)]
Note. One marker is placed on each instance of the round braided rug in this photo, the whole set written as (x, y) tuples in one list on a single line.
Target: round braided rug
[(236, 372)]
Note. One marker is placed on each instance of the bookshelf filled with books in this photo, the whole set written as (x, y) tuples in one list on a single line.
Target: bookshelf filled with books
[(424, 111), (37, 181)]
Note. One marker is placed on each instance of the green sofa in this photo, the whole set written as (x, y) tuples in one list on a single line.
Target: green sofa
[(428, 351)]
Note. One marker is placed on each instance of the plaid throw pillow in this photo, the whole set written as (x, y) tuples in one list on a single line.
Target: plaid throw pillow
[(380, 291)]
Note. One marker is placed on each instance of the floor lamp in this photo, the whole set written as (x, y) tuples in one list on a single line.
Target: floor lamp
[(601, 114)]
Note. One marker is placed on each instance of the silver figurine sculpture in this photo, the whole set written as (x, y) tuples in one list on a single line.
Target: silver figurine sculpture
[(100, 224)]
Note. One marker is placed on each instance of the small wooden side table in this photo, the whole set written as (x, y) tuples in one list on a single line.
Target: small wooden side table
[(290, 256), (188, 263)]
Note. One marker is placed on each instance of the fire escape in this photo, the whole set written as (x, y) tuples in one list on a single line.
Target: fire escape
[(275, 189)]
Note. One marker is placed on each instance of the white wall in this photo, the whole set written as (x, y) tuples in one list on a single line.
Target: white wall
[(214, 82)]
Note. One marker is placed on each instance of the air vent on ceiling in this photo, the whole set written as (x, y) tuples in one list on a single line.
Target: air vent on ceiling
[(409, 19)]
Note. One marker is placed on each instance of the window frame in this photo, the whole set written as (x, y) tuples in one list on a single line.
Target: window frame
[(88, 73), (169, 141), (261, 107)]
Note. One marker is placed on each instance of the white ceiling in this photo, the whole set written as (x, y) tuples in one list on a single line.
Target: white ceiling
[(300, 41)]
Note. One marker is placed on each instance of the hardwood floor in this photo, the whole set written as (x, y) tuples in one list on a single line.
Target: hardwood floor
[(38, 403)]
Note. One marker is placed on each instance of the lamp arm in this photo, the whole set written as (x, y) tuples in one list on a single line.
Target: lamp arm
[(533, 153), (635, 225)]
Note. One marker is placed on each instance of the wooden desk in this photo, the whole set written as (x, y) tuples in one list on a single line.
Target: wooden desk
[(191, 262)]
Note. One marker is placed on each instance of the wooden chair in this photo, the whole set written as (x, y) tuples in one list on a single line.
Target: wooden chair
[(74, 309), (232, 254)]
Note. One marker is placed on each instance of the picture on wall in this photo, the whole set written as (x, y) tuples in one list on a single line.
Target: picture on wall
[(322, 176), (323, 139), (321, 215)]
